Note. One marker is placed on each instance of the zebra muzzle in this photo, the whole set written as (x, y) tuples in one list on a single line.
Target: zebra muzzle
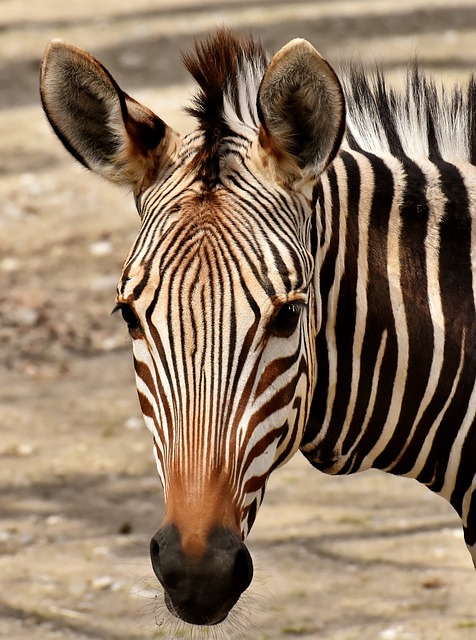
[(201, 590)]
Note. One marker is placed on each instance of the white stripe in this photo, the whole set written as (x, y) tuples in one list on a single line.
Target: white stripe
[(341, 178), (454, 462), (436, 204), (428, 443), (365, 205), (399, 315)]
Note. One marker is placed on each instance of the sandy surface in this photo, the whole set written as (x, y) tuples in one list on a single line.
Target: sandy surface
[(365, 557)]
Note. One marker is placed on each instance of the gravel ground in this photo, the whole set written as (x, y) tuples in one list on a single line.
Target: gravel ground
[(366, 557)]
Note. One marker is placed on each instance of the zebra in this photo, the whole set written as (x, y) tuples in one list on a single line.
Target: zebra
[(303, 278)]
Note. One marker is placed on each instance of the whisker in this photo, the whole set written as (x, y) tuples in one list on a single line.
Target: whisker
[(236, 626)]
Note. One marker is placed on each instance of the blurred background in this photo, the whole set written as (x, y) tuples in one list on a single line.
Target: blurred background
[(368, 556)]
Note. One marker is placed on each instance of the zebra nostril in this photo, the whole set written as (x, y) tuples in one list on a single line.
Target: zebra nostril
[(154, 547), (243, 568), (155, 558)]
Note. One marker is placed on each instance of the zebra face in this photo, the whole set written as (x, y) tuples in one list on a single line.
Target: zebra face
[(219, 289), (221, 332), (221, 337)]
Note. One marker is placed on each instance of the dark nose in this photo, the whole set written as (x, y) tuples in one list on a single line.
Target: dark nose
[(201, 590)]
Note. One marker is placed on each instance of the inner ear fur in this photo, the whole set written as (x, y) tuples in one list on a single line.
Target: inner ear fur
[(101, 126), (302, 112)]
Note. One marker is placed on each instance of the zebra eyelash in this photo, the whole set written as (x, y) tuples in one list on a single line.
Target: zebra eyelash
[(129, 316)]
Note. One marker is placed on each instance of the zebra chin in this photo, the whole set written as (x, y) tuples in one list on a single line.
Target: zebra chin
[(190, 617), (201, 590)]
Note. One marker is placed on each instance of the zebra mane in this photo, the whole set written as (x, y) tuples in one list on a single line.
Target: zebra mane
[(421, 121), (228, 69)]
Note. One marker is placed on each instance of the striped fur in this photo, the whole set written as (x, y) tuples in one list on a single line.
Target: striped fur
[(395, 352), (208, 293), (397, 361)]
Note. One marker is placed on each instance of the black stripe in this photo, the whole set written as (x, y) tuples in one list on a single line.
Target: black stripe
[(347, 303), (414, 214), (459, 313), (379, 319), (326, 278)]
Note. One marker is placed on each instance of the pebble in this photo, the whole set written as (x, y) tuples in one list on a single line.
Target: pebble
[(101, 551), (105, 282), (110, 343), (8, 265), (68, 613), (101, 583), (12, 210), (26, 539), (134, 423), (101, 248), (31, 185), (25, 449), (25, 316), (450, 36), (6, 535), (131, 60), (397, 633)]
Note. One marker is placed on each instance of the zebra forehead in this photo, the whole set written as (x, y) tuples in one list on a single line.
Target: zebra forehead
[(213, 236), (208, 267)]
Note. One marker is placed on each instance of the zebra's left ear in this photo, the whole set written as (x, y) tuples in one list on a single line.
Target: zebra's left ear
[(302, 113)]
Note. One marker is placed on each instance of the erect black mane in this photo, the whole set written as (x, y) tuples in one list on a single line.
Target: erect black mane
[(219, 65), (420, 120)]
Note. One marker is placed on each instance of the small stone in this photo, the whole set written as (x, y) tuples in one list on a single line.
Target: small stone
[(396, 633), (26, 539), (117, 585), (125, 528), (25, 317), (450, 36), (62, 611), (109, 344), (6, 535), (31, 184), (105, 282), (102, 583), (101, 551), (25, 449), (131, 60), (133, 423), (8, 265), (101, 248)]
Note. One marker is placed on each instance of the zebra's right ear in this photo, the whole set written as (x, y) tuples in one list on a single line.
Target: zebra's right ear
[(302, 113), (99, 124)]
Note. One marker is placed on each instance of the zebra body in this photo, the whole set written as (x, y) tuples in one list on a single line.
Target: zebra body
[(397, 362), (290, 287)]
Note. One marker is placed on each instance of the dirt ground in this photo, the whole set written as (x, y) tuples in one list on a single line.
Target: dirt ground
[(366, 557)]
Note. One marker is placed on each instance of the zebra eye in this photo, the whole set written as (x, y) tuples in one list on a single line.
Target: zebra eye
[(129, 317), (285, 321)]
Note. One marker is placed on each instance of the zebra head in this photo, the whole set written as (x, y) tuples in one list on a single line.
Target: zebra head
[(219, 290)]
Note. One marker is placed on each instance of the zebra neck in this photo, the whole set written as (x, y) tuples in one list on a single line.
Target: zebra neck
[(396, 348)]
